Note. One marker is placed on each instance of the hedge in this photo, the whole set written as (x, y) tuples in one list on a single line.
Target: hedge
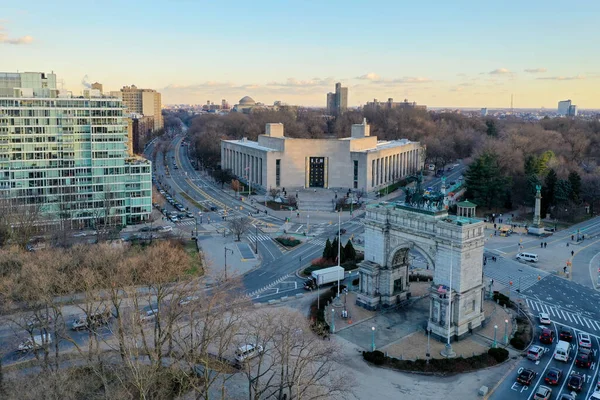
[(288, 241), (420, 278), (439, 365)]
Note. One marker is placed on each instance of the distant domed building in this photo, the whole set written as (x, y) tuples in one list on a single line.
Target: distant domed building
[(246, 105)]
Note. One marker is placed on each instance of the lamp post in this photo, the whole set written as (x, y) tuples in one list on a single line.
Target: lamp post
[(307, 224), (506, 332), (495, 344), (373, 338), (428, 354), (226, 250), (333, 320), (256, 238), (339, 247)]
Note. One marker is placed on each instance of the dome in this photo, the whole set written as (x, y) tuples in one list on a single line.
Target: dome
[(247, 100)]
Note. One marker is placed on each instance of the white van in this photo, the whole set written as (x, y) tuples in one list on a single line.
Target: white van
[(531, 257), (563, 351), (38, 341), (247, 352)]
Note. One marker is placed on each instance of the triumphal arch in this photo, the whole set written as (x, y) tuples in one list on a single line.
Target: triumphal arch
[(452, 245)]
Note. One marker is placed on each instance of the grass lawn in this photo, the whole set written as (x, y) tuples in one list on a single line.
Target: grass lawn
[(195, 260)]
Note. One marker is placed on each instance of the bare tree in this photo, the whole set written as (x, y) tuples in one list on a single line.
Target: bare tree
[(359, 194), (273, 192), (26, 221), (239, 226), (294, 362)]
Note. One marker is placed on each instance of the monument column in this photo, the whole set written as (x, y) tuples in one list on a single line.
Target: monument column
[(538, 227)]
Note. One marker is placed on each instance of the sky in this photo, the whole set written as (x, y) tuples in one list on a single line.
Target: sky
[(440, 53)]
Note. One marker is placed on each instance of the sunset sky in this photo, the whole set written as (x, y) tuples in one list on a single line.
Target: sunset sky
[(439, 53)]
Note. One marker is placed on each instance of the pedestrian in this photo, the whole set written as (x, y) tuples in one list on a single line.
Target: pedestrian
[(545, 244), (542, 245), (565, 269), (567, 244), (572, 237), (572, 253), (494, 226)]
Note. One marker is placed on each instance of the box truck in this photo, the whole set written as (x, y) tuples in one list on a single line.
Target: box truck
[(324, 276)]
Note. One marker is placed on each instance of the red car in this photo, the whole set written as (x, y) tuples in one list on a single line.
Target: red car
[(553, 376), (547, 336)]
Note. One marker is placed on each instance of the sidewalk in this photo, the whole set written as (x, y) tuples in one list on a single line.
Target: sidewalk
[(214, 251)]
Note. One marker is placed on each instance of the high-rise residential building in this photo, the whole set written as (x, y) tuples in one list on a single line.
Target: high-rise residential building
[(337, 103), (572, 110), (563, 107), (484, 112), (97, 86), (68, 155), (143, 101)]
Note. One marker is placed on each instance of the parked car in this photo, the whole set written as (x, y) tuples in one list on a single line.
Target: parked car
[(187, 300), (547, 336), (149, 315), (37, 341), (94, 320), (38, 321), (553, 376), (526, 376)]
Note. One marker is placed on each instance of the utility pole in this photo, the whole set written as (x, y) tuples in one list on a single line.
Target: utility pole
[(256, 238)]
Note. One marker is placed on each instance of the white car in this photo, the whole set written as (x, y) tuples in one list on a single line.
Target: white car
[(166, 228), (585, 341), (187, 300), (545, 319)]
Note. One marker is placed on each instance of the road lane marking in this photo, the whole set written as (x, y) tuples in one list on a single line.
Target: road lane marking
[(569, 317), (586, 323)]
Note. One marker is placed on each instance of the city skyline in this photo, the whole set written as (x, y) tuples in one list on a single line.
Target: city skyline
[(436, 54)]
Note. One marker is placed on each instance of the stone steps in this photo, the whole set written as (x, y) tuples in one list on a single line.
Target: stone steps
[(315, 205)]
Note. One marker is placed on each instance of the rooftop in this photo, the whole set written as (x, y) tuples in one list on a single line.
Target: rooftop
[(251, 144)]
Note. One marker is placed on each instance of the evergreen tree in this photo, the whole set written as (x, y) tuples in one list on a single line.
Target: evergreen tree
[(349, 251), (491, 128), (334, 249), (486, 183), (575, 181), (548, 190), (327, 250), (562, 192)]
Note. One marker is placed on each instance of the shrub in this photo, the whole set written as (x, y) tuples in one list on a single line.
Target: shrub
[(288, 241), (501, 299), (322, 263), (517, 343), (499, 354), (334, 288), (376, 357)]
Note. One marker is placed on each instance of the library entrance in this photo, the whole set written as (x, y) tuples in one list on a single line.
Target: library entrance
[(317, 172)]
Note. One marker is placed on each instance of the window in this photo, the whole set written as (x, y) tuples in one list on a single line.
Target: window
[(277, 172)]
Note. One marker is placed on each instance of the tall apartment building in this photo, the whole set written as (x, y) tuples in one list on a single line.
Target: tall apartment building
[(143, 101), (69, 154), (97, 86), (337, 103)]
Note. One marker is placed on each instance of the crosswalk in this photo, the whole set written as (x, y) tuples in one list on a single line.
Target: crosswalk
[(506, 271), (187, 222), (563, 316), (260, 237)]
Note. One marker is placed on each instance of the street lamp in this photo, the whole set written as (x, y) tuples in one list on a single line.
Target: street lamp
[(506, 332), (428, 355), (339, 247), (494, 345), (373, 338), (256, 238), (333, 320), (226, 250), (307, 224)]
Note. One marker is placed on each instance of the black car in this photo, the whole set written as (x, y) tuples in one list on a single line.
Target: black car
[(575, 382), (526, 376), (566, 335), (584, 358), (553, 376)]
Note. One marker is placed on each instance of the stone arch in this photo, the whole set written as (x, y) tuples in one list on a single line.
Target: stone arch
[(397, 250)]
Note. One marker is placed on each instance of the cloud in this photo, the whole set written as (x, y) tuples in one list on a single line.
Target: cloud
[(315, 82), (563, 78), (4, 38), (371, 76), (535, 70), (461, 74), (500, 71)]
